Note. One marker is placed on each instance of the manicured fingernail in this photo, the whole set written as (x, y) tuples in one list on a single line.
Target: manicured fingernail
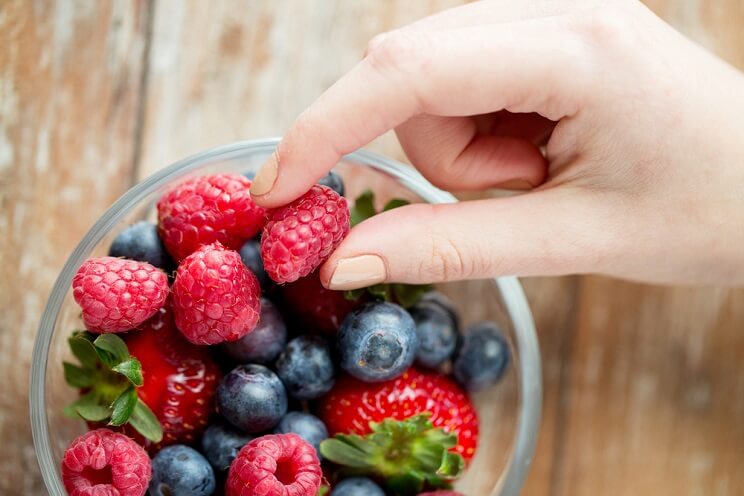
[(515, 184), (357, 272), (266, 177)]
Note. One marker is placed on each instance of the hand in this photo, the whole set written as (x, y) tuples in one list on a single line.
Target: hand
[(642, 175)]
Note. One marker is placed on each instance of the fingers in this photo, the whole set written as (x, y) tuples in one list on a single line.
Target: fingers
[(412, 73), (451, 154), (551, 232)]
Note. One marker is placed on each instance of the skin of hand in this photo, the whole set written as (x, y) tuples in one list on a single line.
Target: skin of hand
[(627, 139)]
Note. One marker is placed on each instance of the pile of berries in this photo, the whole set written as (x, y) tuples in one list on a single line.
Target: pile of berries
[(214, 362)]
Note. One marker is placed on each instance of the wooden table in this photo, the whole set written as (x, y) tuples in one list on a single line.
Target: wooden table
[(644, 386)]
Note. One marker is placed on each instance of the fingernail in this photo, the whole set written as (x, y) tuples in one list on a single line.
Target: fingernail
[(515, 184), (266, 176), (357, 272)]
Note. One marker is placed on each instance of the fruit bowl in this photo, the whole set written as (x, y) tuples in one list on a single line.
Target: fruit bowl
[(509, 411)]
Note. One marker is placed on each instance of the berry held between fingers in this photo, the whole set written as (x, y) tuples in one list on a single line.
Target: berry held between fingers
[(276, 464), (102, 462), (206, 209), (215, 297), (180, 470), (301, 235), (117, 295)]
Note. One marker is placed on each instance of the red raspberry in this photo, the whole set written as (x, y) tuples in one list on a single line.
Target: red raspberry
[(104, 463), (215, 296), (301, 235), (276, 464), (206, 209), (117, 295)]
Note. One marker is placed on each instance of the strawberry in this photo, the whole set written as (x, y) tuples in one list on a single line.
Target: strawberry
[(315, 307), (415, 432), (153, 385), (180, 378), (352, 404)]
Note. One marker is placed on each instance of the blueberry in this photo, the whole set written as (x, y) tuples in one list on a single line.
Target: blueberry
[(333, 181), (482, 358), (377, 342), (178, 470), (221, 443), (306, 367), (252, 398), (308, 427), (437, 334), (438, 299), (249, 175), (141, 242), (250, 252), (264, 343), (357, 486)]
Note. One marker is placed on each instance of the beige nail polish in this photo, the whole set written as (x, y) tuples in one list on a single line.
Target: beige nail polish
[(357, 272), (266, 177)]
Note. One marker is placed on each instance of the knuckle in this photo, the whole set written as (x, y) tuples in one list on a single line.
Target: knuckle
[(446, 261), (603, 27), (397, 51)]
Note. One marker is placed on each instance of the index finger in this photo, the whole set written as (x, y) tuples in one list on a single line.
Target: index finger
[(526, 66)]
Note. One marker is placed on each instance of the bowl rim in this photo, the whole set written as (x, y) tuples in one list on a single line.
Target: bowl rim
[(529, 373)]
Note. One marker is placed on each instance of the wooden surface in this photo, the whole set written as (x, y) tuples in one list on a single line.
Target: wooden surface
[(644, 386)]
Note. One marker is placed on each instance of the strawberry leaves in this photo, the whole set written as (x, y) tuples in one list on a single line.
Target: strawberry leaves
[(405, 295), (145, 422), (409, 455), (123, 406), (109, 377)]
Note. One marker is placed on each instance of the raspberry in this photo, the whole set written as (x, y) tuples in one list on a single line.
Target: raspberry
[(206, 209), (215, 297), (280, 464), (301, 235), (103, 463), (117, 295)]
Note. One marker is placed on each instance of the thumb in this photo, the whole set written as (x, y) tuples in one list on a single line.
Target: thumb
[(550, 232)]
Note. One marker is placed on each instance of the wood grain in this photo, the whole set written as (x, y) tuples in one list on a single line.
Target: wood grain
[(69, 92), (643, 392)]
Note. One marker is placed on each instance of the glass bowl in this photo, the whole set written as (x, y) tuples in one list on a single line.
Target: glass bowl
[(509, 411)]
